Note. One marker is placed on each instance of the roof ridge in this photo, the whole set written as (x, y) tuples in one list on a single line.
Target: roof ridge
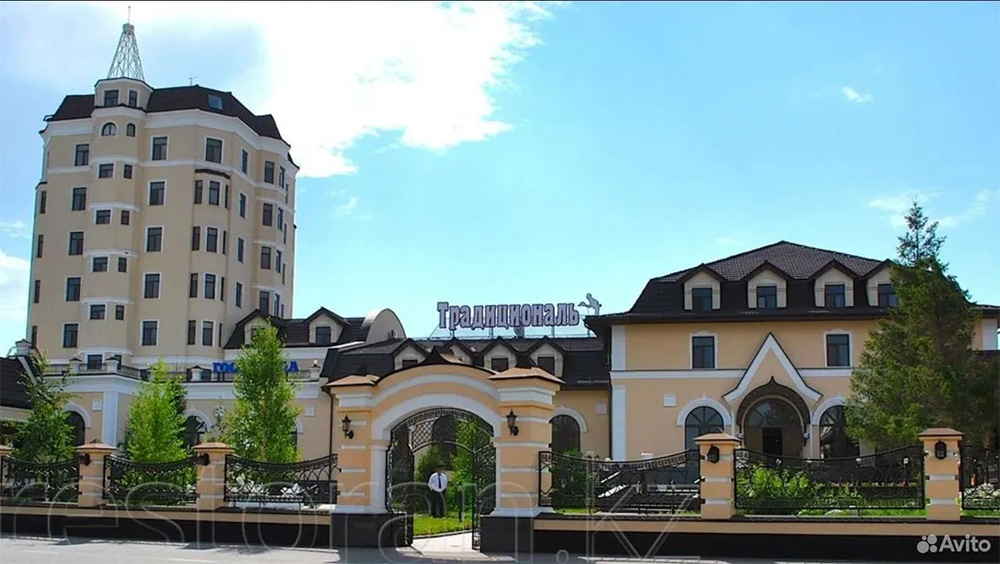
[(840, 253), (709, 264)]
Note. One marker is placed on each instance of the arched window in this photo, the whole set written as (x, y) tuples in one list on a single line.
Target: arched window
[(444, 433), (109, 129), (79, 427), (194, 428), (834, 442), (701, 421), (565, 434), (130, 130)]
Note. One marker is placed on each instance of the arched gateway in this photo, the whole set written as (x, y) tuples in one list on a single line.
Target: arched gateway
[(487, 427)]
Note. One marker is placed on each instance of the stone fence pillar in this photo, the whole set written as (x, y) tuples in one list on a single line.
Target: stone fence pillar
[(942, 464), (718, 475), (92, 473), (212, 476)]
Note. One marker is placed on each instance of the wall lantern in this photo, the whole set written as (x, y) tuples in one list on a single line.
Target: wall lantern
[(713, 454), (940, 450), (512, 423), (345, 424)]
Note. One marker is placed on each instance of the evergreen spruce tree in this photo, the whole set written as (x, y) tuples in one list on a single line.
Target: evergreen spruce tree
[(262, 422), (47, 435), (918, 369), (155, 428)]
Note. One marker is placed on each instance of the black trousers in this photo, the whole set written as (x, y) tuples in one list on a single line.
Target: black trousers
[(437, 503)]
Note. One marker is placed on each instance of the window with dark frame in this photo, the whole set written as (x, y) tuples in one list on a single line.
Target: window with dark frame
[(122, 264), (111, 97), (130, 130), (324, 335), (209, 286), (767, 297), (70, 333), (835, 295), (73, 289), (212, 239), (82, 155), (499, 363), (268, 214), (239, 249), (157, 193), (265, 259), (702, 352), (106, 170), (119, 312), (225, 242), (39, 246), (198, 184), (133, 98), (548, 364), (196, 238), (207, 333), (213, 150), (192, 332), (42, 200), (244, 161), (79, 200), (97, 311), (264, 302), (154, 239), (159, 149), (37, 293), (100, 264), (150, 330), (151, 286), (409, 362), (125, 217), (243, 205), (213, 193), (102, 217), (193, 285), (127, 171), (838, 350), (76, 243), (886, 296), (269, 172), (238, 298), (701, 299)]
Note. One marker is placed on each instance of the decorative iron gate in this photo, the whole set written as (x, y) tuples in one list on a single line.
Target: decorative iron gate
[(465, 446)]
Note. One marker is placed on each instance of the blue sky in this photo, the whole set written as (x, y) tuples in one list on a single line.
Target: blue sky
[(499, 154)]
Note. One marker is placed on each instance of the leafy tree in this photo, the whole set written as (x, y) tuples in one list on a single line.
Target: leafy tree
[(918, 369), (262, 423), (155, 428), (474, 443), (175, 390), (47, 435)]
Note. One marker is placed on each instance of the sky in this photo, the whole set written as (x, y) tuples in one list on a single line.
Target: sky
[(500, 153)]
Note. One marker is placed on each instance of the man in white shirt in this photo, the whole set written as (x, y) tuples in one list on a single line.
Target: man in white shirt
[(437, 484)]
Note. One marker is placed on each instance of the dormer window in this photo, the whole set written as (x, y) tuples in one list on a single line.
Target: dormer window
[(886, 296), (548, 364), (409, 362), (214, 102), (767, 297), (324, 335), (835, 295), (701, 299), (110, 98), (109, 130), (499, 364)]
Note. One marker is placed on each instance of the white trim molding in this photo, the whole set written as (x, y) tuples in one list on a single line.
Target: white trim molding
[(715, 349), (78, 409), (619, 421), (383, 424), (821, 408), (704, 401), (674, 374), (771, 345), (570, 412), (618, 347)]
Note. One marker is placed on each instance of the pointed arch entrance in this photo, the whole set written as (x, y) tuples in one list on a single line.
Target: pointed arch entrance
[(774, 420)]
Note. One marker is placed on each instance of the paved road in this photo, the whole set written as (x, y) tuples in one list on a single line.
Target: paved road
[(441, 550)]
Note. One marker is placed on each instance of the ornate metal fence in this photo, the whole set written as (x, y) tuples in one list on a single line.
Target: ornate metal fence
[(980, 478), (663, 484), (888, 480), (40, 481), (311, 482), (151, 483)]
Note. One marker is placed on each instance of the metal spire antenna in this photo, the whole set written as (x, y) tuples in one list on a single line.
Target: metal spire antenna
[(127, 63)]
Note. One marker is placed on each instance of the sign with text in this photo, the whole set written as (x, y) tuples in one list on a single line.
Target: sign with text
[(230, 367), (453, 317)]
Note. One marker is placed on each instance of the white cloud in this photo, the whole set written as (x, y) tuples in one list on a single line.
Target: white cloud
[(332, 72), (896, 206), (14, 272), (855, 96), (17, 229), (975, 210), (347, 208)]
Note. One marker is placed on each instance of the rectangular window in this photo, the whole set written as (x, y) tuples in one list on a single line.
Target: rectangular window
[(106, 170), (835, 295), (154, 239), (886, 296), (838, 350), (409, 362), (281, 218), (159, 149), (767, 297), (212, 239), (264, 302), (548, 364), (34, 336), (82, 156), (151, 286), (157, 193), (73, 289), (37, 294), (268, 214), (70, 332), (281, 176), (192, 332), (702, 352), (207, 332), (277, 304), (195, 238), (277, 260), (39, 245), (127, 171), (125, 217), (122, 264), (110, 97), (323, 335), (244, 161), (701, 299), (198, 184), (239, 295), (222, 292), (265, 258), (193, 286), (95, 361), (213, 150), (103, 217), (499, 364), (119, 312), (97, 311), (269, 172), (227, 207), (100, 264), (243, 205), (133, 98), (214, 102), (239, 249), (213, 193), (209, 286), (225, 242), (42, 200), (75, 243), (79, 201), (150, 330)]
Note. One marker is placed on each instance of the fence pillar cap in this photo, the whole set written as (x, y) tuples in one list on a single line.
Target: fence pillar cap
[(5, 450), (940, 432), (717, 438), (213, 447), (95, 448)]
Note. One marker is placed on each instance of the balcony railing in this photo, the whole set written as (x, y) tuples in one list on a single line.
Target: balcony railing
[(190, 375)]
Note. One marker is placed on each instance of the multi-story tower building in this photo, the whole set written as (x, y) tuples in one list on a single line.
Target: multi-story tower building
[(163, 217)]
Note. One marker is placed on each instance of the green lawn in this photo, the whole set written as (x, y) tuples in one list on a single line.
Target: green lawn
[(424, 525)]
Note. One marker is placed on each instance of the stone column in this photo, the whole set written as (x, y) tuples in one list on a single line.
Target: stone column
[(717, 475), (942, 488), (211, 482), (92, 473)]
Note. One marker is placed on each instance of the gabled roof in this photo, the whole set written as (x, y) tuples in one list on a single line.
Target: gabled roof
[(834, 263), (766, 265), (295, 332), (499, 341), (330, 314), (698, 269)]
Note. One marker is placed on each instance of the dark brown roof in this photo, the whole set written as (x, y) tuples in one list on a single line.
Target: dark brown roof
[(12, 392), (585, 362), (295, 332)]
